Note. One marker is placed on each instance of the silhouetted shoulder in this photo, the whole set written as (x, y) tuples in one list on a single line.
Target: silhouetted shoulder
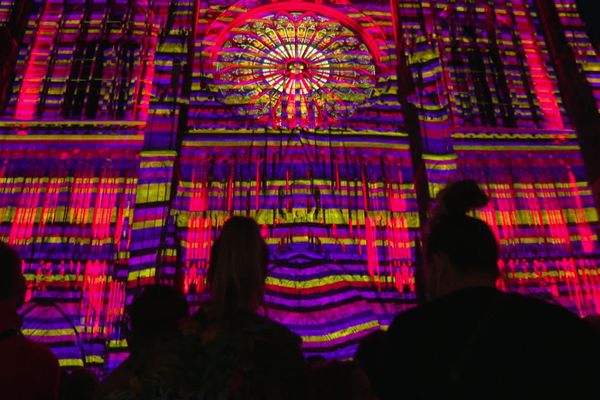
[(538, 314), (119, 380), (462, 304), (43, 365), (405, 318), (532, 304), (490, 340), (250, 323), (35, 352), (245, 356), (276, 329)]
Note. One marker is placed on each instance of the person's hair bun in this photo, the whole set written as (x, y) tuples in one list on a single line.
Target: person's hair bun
[(460, 197)]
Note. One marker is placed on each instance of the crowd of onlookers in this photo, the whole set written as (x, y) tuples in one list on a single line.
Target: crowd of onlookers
[(467, 340)]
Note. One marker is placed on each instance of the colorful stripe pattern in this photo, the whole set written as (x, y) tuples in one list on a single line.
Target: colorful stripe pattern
[(341, 226), (586, 55), (68, 209), (121, 161)]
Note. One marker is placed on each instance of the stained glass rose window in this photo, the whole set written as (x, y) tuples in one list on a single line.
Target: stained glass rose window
[(295, 69)]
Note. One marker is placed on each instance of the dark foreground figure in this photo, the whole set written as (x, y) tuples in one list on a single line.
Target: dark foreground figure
[(153, 336), (470, 340), (244, 355), (28, 371), (227, 350), (340, 380)]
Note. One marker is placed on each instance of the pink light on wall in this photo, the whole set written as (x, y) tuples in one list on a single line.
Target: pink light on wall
[(404, 277), (94, 288), (37, 66), (26, 212), (585, 232), (144, 88), (199, 196), (105, 205), (199, 239), (116, 305), (542, 85), (371, 245)]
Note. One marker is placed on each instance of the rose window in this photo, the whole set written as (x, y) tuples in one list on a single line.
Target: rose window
[(294, 69)]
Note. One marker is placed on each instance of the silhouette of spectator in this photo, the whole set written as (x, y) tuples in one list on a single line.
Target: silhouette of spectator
[(240, 354), (227, 350), (154, 318), (470, 340), (78, 384), (369, 354), (340, 380), (27, 370), (237, 270)]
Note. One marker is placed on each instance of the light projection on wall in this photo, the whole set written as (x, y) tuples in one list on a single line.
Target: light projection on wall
[(295, 69), (325, 120)]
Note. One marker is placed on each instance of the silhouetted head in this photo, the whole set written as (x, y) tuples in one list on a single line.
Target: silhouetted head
[(371, 350), (238, 268), (341, 380), (460, 251), (77, 384), (154, 314), (12, 282)]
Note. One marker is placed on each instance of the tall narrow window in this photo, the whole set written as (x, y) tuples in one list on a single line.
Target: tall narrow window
[(83, 90), (121, 93)]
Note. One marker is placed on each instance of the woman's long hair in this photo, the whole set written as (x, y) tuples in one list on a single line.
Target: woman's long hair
[(238, 268)]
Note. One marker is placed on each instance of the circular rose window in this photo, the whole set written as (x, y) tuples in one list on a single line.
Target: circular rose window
[(294, 69)]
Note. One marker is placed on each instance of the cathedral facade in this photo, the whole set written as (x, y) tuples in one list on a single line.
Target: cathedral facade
[(131, 130)]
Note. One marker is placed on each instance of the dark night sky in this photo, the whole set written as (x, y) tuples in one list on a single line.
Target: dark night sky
[(590, 12)]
